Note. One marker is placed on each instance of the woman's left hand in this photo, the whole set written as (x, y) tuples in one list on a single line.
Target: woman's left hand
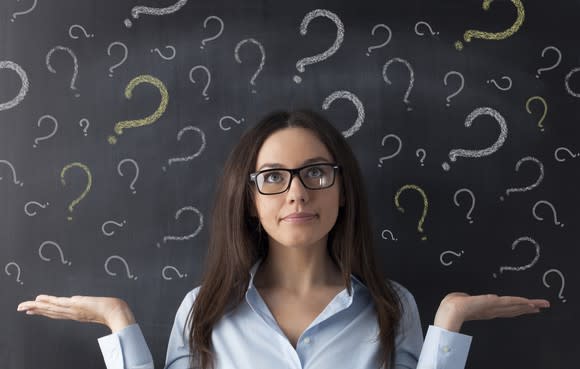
[(459, 307)]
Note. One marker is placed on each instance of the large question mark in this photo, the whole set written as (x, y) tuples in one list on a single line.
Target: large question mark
[(65, 262), (153, 11), (448, 98), (262, 60), (411, 77), (331, 50), (191, 235), (75, 62), (17, 269), (523, 267), (124, 47), (14, 179), (128, 160), (221, 22), (453, 154), (7, 64), (117, 257), (169, 267), (389, 32), (40, 120), (194, 155), (400, 146), (356, 102), (533, 185), (425, 204), (559, 273), (468, 216), (14, 15), (469, 34), (87, 188), (541, 99), (204, 68), (545, 202), (147, 120), (555, 64)]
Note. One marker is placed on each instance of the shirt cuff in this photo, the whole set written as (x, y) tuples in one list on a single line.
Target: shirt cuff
[(444, 349), (126, 349)]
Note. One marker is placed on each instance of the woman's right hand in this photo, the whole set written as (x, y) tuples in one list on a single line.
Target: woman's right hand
[(110, 311)]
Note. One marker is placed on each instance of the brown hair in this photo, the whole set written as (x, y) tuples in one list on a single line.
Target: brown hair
[(235, 243)]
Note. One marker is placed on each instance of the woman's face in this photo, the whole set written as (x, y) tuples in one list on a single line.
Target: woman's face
[(293, 148)]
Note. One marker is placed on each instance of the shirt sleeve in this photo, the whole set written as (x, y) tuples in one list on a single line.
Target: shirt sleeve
[(127, 348), (442, 349)]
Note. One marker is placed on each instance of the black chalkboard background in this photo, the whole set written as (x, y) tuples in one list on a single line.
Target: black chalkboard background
[(501, 236)]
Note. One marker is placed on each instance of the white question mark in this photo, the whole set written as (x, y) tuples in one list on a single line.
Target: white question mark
[(15, 180), (86, 126), (262, 61), (422, 153), (23, 12), (221, 22), (468, 216), (70, 29), (169, 267), (28, 212), (357, 104), (117, 257), (326, 54), (237, 121), (171, 52), (448, 98), (40, 120), (447, 263), (506, 88), (389, 232), (398, 139), (533, 185), (124, 47), (194, 155), (411, 77), (6, 64), (423, 23), (17, 269), (153, 11), (110, 233), (567, 82), (189, 236), (553, 48), (545, 202), (65, 262), (523, 267), (128, 160), (76, 65), (453, 154), (390, 34), (572, 155), (559, 273), (204, 92)]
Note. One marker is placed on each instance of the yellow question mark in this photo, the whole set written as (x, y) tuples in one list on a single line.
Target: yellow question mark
[(545, 109), (469, 34), (425, 204), (89, 182), (147, 120)]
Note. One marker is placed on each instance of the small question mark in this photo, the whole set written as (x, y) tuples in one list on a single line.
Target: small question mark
[(342, 94), (75, 62), (52, 243), (469, 34), (124, 47), (398, 139), (221, 22), (421, 153), (222, 119), (448, 98), (204, 68), (389, 32), (16, 181), (411, 77), (169, 278), (453, 154), (541, 99), (6, 64), (117, 257), (572, 155), (70, 29), (17, 269), (545, 202), (110, 233), (189, 236), (330, 51), (524, 267), (171, 52), (535, 184), (40, 120), (447, 263), (468, 216), (87, 188), (151, 118), (553, 48), (28, 212), (559, 273), (128, 160), (425, 204), (262, 61), (505, 78), (153, 11), (390, 233), (14, 15), (423, 23), (86, 126), (194, 155)]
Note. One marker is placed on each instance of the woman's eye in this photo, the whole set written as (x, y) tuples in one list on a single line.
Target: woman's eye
[(314, 172), (273, 177)]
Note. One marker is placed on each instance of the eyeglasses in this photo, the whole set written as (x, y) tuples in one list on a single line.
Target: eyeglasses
[(313, 176)]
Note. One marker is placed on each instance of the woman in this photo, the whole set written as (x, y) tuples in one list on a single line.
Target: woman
[(290, 277)]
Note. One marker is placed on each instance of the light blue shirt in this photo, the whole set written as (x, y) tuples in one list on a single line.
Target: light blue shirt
[(344, 335)]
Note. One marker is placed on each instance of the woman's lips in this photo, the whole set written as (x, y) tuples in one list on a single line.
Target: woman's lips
[(300, 219)]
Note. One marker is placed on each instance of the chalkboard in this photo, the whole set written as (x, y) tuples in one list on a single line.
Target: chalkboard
[(463, 115)]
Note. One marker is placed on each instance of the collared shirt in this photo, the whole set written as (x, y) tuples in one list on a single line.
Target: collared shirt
[(344, 335)]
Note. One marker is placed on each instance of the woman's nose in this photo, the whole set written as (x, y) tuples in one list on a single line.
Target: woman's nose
[(297, 191)]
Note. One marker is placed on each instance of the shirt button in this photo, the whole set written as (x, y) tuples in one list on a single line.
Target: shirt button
[(307, 340), (446, 348)]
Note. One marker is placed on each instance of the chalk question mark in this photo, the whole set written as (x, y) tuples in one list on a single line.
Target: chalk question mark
[(221, 22), (14, 15), (52, 243), (191, 235), (389, 32), (228, 117), (87, 188), (462, 80), (533, 185), (545, 202), (523, 267), (110, 233), (411, 77), (14, 179), (456, 202), (447, 263), (33, 213), (125, 52), (541, 99), (400, 146), (553, 48), (559, 273), (85, 126), (78, 26), (422, 154), (54, 129), (425, 204), (426, 25), (204, 68), (169, 278), (6, 64), (117, 257), (153, 11), (171, 55), (194, 155), (75, 64), (128, 160), (262, 60), (565, 149), (357, 104), (17, 270)]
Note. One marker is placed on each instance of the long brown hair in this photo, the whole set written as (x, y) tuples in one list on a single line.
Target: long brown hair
[(235, 243)]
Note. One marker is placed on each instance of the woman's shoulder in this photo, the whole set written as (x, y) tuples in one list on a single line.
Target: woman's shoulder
[(404, 294)]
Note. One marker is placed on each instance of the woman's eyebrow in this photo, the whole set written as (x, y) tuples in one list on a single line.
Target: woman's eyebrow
[(308, 161)]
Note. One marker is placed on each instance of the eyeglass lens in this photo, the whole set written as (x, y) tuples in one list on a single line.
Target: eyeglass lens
[(313, 177)]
